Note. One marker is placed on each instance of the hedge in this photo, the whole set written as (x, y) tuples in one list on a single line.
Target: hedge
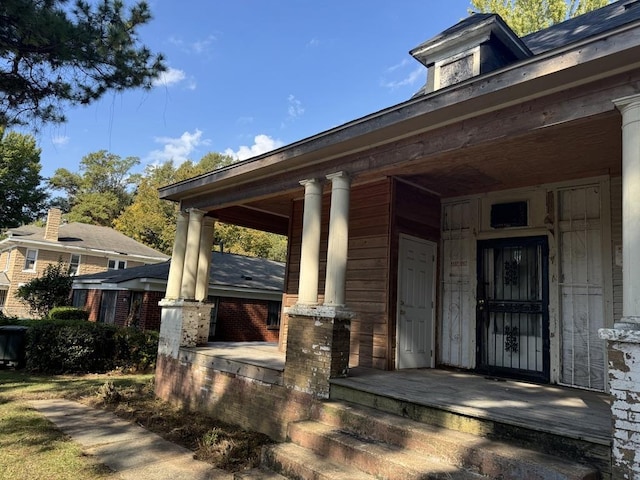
[(68, 313), (72, 346)]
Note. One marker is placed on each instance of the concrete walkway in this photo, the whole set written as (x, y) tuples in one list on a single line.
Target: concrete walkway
[(131, 451)]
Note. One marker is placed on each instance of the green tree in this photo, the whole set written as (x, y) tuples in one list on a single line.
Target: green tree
[(527, 16), (23, 198), (101, 191), (52, 289), (152, 221), (56, 54)]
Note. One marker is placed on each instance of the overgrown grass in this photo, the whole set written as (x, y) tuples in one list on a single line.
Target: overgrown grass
[(31, 448)]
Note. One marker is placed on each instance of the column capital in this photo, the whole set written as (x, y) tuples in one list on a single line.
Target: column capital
[(208, 221), (338, 175), (195, 213), (310, 182), (625, 103)]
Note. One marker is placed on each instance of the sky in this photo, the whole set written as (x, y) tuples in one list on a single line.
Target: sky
[(248, 76)]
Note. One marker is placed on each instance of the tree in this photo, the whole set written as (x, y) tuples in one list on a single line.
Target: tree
[(23, 199), (527, 16), (54, 53), (152, 221), (52, 289), (101, 191)]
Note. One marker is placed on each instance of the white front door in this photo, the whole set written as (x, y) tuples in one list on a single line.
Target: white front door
[(416, 311)]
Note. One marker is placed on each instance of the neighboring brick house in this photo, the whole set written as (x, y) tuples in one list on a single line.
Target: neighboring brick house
[(27, 251), (246, 291)]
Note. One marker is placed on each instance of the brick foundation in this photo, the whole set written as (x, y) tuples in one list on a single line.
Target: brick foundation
[(317, 349), (242, 401), (624, 387)]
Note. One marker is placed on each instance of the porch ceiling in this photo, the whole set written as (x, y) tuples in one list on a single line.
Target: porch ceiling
[(579, 149)]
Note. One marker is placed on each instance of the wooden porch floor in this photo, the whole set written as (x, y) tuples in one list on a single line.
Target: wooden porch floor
[(568, 412)]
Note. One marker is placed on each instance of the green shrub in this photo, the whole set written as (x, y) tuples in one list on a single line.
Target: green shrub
[(71, 346), (68, 313), (136, 349)]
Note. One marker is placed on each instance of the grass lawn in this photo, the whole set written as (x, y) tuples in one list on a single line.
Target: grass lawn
[(32, 448)]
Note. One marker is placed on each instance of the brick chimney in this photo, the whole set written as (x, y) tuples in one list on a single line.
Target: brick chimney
[(54, 217)]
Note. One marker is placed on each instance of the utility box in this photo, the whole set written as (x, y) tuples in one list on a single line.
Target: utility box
[(12, 346)]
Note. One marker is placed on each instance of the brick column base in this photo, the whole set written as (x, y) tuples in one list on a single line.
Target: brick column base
[(183, 324), (317, 348), (624, 387)]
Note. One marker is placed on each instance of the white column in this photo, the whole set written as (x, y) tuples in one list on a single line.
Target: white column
[(334, 289), (190, 271), (310, 254), (630, 109), (174, 281), (204, 259)]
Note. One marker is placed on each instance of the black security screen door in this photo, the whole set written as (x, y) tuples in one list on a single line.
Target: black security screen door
[(512, 308)]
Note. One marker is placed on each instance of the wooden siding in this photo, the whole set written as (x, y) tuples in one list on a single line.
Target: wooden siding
[(367, 275), (616, 242)]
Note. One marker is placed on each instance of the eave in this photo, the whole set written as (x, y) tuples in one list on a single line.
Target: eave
[(279, 171)]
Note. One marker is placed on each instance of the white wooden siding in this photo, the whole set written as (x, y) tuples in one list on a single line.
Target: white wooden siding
[(457, 335), (582, 286)]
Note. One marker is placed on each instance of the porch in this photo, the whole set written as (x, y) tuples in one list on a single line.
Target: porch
[(567, 422)]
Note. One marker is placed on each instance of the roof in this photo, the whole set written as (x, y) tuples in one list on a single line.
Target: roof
[(227, 269), (586, 55), (598, 21), (85, 236), (4, 280)]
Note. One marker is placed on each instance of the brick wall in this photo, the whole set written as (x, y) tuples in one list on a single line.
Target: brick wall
[(123, 303), (151, 311), (250, 404), (624, 382), (244, 320), (93, 304)]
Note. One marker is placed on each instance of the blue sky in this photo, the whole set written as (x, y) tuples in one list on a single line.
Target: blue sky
[(247, 76)]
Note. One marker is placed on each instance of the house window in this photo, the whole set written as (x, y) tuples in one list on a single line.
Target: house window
[(273, 315), (74, 264), (116, 264), (3, 299), (7, 262), (30, 260), (79, 298)]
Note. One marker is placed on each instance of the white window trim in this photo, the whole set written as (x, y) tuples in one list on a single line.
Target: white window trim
[(77, 272), (116, 262), (26, 259)]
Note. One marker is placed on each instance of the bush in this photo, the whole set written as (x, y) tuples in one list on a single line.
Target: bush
[(71, 346), (68, 313)]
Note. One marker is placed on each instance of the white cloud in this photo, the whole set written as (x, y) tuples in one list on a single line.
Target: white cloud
[(203, 46), (261, 144), (60, 140), (295, 109), (402, 64), (171, 77), (177, 149), (314, 42), (410, 79)]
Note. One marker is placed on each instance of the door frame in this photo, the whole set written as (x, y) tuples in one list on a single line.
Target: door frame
[(543, 241), (432, 329)]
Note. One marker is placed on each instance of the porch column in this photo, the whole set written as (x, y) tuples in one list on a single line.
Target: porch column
[(204, 259), (310, 254), (624, 338), (190, 271), (176, 266), (334, 290)]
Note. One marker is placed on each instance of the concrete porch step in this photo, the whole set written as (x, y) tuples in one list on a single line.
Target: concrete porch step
[(581, 450), (494, 459), (260, 473), (379, 459), (294, 461)]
